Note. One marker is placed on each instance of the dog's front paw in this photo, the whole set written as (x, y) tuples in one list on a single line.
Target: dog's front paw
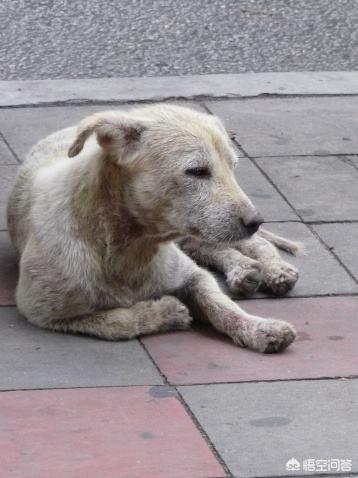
[(280, 278), (244, 280), (175, 315), (270, 336)]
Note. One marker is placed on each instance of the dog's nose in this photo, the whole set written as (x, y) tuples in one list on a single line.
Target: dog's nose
[(253, 222)]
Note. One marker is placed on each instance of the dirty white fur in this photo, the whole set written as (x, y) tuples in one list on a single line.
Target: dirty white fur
[(95, 231), (248, 265), (292, 247)]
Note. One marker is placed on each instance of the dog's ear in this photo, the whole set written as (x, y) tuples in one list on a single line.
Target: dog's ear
[(113, 129)]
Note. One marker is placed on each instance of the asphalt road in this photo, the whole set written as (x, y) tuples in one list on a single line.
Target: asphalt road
[(103, 38)]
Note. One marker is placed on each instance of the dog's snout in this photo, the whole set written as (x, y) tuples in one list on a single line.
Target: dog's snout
[(253, 222)]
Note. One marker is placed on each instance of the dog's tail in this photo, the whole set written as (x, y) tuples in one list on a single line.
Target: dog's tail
[(292, 247)]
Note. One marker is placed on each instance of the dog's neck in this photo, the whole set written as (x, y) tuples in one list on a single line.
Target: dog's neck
[(103, 216)]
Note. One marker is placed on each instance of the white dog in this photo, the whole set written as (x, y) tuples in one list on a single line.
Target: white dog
[(96, 230)]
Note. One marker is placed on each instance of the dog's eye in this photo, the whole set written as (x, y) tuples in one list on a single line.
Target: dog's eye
[(199, 172)]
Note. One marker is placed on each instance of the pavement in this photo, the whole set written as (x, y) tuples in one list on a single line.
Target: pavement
[(191, 404), (42, 39)]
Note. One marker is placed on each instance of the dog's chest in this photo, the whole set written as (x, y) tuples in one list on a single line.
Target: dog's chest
[(129, 280)]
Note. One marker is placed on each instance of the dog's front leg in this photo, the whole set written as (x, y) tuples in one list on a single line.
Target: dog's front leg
[(278, 275), (243, 274), (205, 300)]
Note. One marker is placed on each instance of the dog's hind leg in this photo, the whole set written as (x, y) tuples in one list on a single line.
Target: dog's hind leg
[(278, 275), (243, 275), (49, 300), (143, 318)]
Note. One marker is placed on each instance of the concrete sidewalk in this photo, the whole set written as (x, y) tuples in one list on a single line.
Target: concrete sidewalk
[(191, 404)]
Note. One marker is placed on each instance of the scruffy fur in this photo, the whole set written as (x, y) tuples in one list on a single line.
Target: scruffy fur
[(95, 213)]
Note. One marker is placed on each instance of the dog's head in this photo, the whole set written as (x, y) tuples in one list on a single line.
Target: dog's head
[(178, 167)]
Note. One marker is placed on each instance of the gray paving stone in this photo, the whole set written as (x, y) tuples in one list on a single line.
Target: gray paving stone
[(6, 157), (32, 358), (258, 427), (23, 127), (7, 178), (8, 270), (271, 205), (343, 239), (320, 273), (290, 126), (320, 189)]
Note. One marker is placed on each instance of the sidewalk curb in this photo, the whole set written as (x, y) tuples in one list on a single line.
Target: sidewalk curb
[(107, 90)]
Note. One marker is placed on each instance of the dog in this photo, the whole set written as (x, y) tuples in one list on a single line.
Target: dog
[(105, 216)]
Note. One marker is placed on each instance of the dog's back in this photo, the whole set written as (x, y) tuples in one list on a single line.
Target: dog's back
[(48, 151)]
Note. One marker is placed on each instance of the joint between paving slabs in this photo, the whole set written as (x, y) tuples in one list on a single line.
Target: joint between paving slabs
[(303, 296), (87, 387), (93, 102), (205, 107), (193, 97), (342, 221), (263, 96), (345, 158), (7, 144), (177, 394), (315, 155), (277, 380), (313, 223), (203, 433), (189, 412), (318, 237)]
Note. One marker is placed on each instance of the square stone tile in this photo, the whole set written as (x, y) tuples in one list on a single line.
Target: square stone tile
[(258, 427), (23, 127), (32, 358), (290, 126), (7, 179), (326, 346), (320, 189), (8, 270), (132, 432), (267, 200), (320, 272), (342, 238), (6, 157)]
